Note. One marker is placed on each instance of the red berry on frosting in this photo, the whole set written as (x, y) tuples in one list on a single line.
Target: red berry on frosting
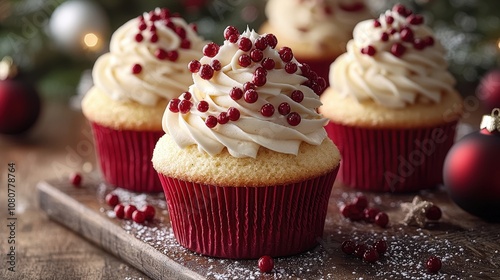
[(216, 65), (161, 54), (75, 179), (389, 19), (173, 105), (244, 60), (286, 54), (185, 44), (206, 72), (406, 34), (433, 213), (398, 49), (248, 85), (194, 27), (119, 211), (400, 9), (266, 264), (172, 55), (381, 219), (415, 19), (251, 96), (433, 264), (418, 44), (233, 114), (136, 69), (321, 82), (112, 199), (267, 110), (297, 96), (223, 118), (259, 79), (392, 31), (268, 63), (261, 43), (181, 32), (186, 95), (154, 38), (230, 30), (203, 106), (211, 121), (211, 49), (236, 93), (429, 41), (291, 67), (152, 28), (245, 44), (256, 55), (129, 209), (369, 50), (185, 106), (233, 38), (293, 119), (194, 66), (139, 37), (272, 41), (384, 37), (376, 23), (284, 108), (348, 247)]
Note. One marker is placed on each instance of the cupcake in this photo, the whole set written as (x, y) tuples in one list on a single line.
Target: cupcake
[(133, 83), (392, 105), (317, 31), (246, 164)]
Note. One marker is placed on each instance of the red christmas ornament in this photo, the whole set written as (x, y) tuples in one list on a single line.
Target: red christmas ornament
[(489, 90), (471, 170), (19, 101)]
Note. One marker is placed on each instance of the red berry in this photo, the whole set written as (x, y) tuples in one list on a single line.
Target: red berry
[(154, 38), (284, 108), (291, 67), (406, 34), (286, 54), (233, 38), (112, 199), (186, 95), (392, 31), (306, 69), (185, 106), (223, 118), (216, 65), (415, 19), (230, 30), (138, 217), (245, 44), (272, 41), (173, 55), (293, 119), (297, 96), (381, 219), (206, 72), (261, 43), (75, 179), (268, 63), (233, 114), (433, 264), (152, 28), (360, 249), (139, 37), (361, 202), (173, 105), (185, 44), (136, 69), (389, 19), (266, 264), (380, 246), (129, 209), (149, 211), (256, 55), (418, 44), (371, 255), (161, 54), (248, 85), (251, 96), (267, 110), (429, 41), (119, 211), (236, 93), (384, 37), (398, 49), (370, 214), (433, 213), (194, 66), (321, 82), (211, 121), (376, 23), (211, 49), (348, 247), (142, 26), (259, 79), (369, 50), (203, 106), (400, 9), (244, 60), (181, 32)]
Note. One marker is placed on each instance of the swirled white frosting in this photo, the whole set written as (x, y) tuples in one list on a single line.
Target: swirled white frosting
[(418, 75), (244, 137), (159, 78), (317, 21)]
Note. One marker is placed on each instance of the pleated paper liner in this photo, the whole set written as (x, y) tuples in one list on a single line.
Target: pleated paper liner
[(124, 157), (392, 160), (248, 222)]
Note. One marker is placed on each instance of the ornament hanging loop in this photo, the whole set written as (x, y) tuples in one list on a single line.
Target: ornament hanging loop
[(492, 122)]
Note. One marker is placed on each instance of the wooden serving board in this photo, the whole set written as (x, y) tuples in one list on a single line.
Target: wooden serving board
[(467, 246)]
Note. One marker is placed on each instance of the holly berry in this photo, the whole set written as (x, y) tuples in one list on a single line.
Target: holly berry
[(381, 219), (371, 255), (112, 199), (266, 264), (380, 246), (138, 217), (433, 213), (433, 264), (119, 210), (129, 209), (75, 179), (348, 247), (194, 66), (211, 49), (149, 212)]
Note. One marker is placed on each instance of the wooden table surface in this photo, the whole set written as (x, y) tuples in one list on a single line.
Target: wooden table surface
[(61, 143)]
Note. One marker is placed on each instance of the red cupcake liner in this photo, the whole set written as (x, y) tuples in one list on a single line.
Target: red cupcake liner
[(124, 157), (248, 222), (392, 160)]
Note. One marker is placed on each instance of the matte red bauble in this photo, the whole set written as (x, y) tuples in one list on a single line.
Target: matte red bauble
[(489, 90), (19, 101), (472, 170)]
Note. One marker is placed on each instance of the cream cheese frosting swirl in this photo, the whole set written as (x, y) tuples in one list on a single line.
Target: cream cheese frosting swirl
[(393, 60), (317, 21), (243, 108), (147, 59)]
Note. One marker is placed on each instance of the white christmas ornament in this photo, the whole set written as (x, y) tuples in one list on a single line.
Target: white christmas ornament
[(79, 26)]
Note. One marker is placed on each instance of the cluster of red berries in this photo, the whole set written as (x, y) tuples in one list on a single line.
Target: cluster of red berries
[(266, 264), (130, 211), (75, 179), (358, 210), (369, 253), (147, 28), (406, 34)]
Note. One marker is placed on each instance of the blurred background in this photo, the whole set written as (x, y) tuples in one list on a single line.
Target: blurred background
[(55, 42)]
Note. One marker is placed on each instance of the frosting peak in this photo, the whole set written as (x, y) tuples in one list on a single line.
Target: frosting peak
[(246, 95), (148, 57), (393, 60)]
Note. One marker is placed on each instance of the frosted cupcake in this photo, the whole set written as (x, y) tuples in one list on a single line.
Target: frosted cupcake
[(246, 165), (145, 68), (392, 105), (317, 31)]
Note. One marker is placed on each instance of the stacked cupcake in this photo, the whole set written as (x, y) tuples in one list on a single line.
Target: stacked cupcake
[(246, 165), (392, 105), (145, 68)]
